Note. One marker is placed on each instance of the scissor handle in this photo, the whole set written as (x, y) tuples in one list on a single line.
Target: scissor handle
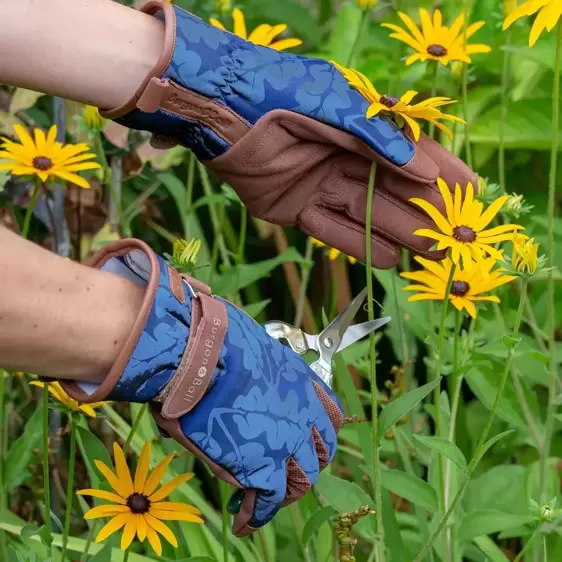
[(283, 331)]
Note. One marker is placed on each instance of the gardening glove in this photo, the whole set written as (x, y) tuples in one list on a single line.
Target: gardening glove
[(240, 400), (290, 135)]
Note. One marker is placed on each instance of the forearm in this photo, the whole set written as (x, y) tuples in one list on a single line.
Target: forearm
[(93, 51), (59, 318)]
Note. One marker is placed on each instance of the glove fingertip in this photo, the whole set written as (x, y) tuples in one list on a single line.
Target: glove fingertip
[(240, 527)]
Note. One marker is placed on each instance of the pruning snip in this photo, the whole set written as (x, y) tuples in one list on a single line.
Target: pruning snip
[(338, 335)]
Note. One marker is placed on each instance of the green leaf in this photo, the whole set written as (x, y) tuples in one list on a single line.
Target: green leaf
[(21, 452), (316, 521), (178, 191), (510, 342), (489, 521), (528, 126), (103, 555), (198, 559), (492, 441), (29, 531), (411, 488), (23, 99), (444, 447), (490, 549), (346, 28), (241, 276), (256, 308), (208, 200), (394, 410), (92, 449)]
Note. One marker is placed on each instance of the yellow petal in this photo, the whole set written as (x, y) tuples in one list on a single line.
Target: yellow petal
[(143, 467), (467, 204), (175, 506), (72, 178), (175, 516), (51, 135), (216, 23), (157, 474), (141, 527), (416, 130), (408, 96), (412, 27), (447, 198), (25, 138), (284, 44), (102, 495), (437, 217), (457, 201), (129, 533), (154, 541), (122, 469), (111, 478), (239, 23), (161, 528), (168, 488), (434, 235), (105, 511), (114, 525), (489, 214)]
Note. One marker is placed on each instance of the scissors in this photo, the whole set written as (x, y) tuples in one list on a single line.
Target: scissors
[(335, 337)]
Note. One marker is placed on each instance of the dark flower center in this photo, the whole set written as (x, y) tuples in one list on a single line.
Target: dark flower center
[(389, 101), (459, 288), (138, 503), (464, 234), (437, 50), (42, 163)]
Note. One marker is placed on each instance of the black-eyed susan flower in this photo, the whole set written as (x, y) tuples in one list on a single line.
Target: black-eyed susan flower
[(400, 108), (470, 282), (44, 157), (58, 393), (549, 12), (263, 35), (435, 41), (463, 227), (137, 504), (333, 254), (524, 258), (92, 118)]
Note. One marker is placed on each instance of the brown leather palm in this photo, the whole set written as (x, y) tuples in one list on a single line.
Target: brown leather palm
[(292, 170)]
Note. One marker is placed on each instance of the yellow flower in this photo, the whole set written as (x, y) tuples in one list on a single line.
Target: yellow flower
[(93, 118), (184, 252), (45, 157), (435, 41), (263, 35), (366, 4), (525, 254), (462, 229), (56, 390), (547, 18), (427, 110), (137, 505), (333, 254), (469, 282)]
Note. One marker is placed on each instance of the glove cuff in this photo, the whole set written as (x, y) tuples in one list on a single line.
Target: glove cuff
[(173, 349), (168, 14)]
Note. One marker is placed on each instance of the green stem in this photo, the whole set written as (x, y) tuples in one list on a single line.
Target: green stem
[(88, 542), (305, 279), (69, 487), (482, 442), (529, 542), (108, 180), (355, 45), (134, 428), (3, 498), (503, 110), (225, 521), (434, 76), (126, 555), (29, 213), (46, 483), (189, 190), (373, 365), (549, 425)]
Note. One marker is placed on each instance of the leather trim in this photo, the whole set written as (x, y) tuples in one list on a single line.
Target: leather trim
[(98, 260), (173, 98), (176, 285), (209, 324), (151, 8)]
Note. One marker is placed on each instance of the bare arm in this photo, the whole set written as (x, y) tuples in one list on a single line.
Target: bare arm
[(59, 318), (93, 51)]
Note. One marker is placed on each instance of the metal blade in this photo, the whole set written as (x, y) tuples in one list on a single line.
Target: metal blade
[(359, 331)]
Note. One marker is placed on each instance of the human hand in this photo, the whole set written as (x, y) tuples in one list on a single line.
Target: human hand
[(240, 400), (290, 135)]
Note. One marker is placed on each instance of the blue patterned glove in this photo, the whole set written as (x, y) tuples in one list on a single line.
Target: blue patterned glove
[(247, 405), (291, 137)]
